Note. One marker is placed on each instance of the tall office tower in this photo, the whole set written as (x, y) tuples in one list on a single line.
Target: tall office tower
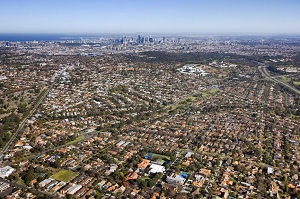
[(123, 40), (139, 39)]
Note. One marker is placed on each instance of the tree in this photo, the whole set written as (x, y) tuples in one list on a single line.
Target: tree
[(69, 196), (29, 176), (152, 182), (57, 163), (170, 193), (142, 184)]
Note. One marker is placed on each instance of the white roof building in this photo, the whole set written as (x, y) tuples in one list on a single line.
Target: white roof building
[(155, 168), (72, 190), (4, 186), (6, 171), (189, 154), (45, 182), (176, 180)]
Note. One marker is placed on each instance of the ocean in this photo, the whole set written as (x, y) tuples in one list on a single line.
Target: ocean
[(46, 37), (30, 37)]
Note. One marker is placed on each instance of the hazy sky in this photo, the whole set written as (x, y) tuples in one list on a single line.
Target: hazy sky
[(161, 16)]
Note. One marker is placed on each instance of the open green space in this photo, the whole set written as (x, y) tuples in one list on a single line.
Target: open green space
[(296, 83), (78, 139), (209, 92), (145, 178), (193, 97), (64, 175), (286, 79), (188, 99), (294, 116), (160, 157)]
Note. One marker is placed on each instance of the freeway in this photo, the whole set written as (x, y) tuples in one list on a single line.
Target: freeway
[(264, 72)]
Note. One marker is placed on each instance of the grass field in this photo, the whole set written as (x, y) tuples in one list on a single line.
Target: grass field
[(209, 92), (160, 157), (78, 139), (188, 99), (64, 175), (192, 98), (145, 178), (296, 83), (286, 79)]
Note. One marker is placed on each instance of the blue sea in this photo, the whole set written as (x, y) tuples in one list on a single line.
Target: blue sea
[(30, 37), (46, 37)]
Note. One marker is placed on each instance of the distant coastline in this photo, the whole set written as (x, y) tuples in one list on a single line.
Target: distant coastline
[(44, 37), (30, 37), (24, 37)]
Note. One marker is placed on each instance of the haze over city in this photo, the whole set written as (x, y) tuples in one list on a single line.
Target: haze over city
[(160, 99), (167, 16)]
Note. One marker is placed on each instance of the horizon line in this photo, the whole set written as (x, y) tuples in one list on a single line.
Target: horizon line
[(157, 33)]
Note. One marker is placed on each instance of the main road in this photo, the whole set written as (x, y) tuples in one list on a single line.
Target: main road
[(21, 126), (264, 72)]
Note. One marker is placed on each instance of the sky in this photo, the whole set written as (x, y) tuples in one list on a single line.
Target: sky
[(152, 16)]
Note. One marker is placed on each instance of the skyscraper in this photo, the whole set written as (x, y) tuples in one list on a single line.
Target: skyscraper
[(139, 39)]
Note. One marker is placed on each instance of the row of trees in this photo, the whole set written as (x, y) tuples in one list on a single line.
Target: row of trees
[(8, 124)]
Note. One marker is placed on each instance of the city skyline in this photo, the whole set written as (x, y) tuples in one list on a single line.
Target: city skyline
[(167, 16)]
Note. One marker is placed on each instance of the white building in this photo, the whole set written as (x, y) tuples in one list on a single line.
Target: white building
[(45, 182), (72, 190), (189, 154), (155, 168), (6, 171), (176, 180), (4, 186)]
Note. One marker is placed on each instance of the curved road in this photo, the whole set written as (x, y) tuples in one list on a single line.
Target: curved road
[(265, 73)]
